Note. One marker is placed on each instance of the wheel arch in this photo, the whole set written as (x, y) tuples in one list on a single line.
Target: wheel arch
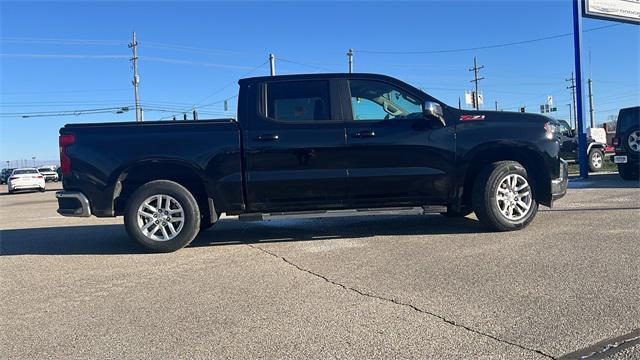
[(531, 159), (141, 172)]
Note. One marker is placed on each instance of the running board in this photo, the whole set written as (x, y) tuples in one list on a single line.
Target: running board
[(343, 213)]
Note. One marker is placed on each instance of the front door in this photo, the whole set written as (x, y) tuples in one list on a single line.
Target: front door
[(295, 148), (396, 156)]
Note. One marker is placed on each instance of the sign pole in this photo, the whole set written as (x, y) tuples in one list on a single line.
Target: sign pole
[(577, 45)]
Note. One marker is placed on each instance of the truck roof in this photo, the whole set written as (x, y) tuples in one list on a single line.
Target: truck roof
[(319, 77)]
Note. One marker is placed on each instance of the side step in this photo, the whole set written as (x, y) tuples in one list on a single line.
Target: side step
[(343, 213)]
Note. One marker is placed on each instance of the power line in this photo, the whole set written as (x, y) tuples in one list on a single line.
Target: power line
[(61, 41), (481, 47), (66, 112)]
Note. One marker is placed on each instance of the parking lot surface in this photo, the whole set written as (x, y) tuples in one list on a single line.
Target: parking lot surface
[(377, 287)]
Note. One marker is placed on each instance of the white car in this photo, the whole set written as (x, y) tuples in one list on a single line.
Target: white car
[(25, 179), (49, 173)]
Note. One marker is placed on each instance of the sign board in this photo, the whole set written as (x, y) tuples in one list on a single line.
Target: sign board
[(614, 10)]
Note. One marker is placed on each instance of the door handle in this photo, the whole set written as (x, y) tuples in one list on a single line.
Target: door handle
[(364, 134), (268, 137)]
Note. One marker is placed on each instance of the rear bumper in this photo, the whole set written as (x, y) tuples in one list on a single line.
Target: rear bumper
[(559, 185), (73, 203)]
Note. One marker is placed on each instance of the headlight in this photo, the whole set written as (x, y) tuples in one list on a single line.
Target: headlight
[(550, 130)]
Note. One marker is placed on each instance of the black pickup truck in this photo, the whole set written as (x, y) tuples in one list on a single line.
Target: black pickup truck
[(312, 145)]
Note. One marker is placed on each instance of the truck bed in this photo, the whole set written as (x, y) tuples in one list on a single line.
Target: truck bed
[(107, 156)]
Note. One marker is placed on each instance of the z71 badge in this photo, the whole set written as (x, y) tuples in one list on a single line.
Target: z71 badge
[(471, 117)]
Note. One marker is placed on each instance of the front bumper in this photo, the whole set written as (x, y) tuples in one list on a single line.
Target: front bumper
[(559, 185), (73, 203)]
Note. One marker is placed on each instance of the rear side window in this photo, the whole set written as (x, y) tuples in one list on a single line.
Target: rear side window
[(21, 172), (296, 101)]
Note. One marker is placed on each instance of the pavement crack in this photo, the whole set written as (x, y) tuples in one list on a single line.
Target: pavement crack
[(397, 302)]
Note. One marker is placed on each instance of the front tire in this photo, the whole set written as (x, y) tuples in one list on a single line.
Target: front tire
[(596, 159), (503, 197), (163, 216)]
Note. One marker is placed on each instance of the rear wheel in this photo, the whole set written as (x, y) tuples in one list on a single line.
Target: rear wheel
[(503, 198), (163, 216), (596, 159)]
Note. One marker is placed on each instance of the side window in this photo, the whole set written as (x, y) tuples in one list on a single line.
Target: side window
[(564, 128), (298, 101), (376, 100)]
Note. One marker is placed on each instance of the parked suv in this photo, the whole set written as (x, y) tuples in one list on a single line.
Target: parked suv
[(4, 175), (49, 173), (569, 148), (627, 143)]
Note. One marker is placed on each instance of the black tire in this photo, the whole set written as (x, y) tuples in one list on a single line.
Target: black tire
[(485, 204), (596, 160), (464, 211), (42, 190), (629, 171), (180, 194)]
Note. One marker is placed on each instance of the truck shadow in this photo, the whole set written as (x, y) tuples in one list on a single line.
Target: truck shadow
[(230, 232), (602, 181), (113, 240)]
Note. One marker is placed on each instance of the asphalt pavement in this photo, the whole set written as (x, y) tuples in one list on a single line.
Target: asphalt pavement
[(568, 286)]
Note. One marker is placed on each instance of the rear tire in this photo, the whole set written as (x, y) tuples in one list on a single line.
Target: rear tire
[(163, 216), (510, 208), (596, 160), (629, 171)]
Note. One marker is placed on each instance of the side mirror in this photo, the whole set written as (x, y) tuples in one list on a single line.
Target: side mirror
[(433, 110)]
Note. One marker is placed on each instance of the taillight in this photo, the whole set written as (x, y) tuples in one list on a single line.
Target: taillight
[(65, 161), (616, 141), (14, 178), (38, 177)]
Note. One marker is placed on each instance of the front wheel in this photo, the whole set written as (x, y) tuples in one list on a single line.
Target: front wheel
[(596, 159), (163, 216), (503, 198)]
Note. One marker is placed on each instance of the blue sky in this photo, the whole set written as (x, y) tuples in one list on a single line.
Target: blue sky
[(74, 55)]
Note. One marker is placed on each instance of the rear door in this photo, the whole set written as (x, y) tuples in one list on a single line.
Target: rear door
[(396, 156), (295, 147)]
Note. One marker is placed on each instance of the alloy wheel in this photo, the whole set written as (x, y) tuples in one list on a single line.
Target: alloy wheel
[(513, 197), (160, 217), (634, 141)]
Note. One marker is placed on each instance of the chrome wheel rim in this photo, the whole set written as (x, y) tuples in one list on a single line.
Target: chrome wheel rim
[(634, 141), (596, 160), (160, 217), (513, 197)]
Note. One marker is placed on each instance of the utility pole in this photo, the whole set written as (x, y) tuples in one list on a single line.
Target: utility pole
[(459, 103), (350, 56), (496, 105), (136, 79), (593, 125), (195, 114), (572, 87), (476, 79), (34, 161), (272, 64)]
